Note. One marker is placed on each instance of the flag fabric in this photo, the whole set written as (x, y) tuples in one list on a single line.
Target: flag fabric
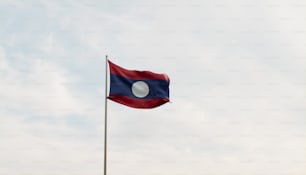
[(138, 89)]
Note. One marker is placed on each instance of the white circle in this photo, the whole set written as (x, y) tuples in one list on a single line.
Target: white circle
[(140, 89)]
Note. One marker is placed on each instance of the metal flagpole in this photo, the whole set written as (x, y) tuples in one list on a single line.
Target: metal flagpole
[(105, 122)]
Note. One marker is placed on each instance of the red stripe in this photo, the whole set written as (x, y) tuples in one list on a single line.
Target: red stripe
[(134, 74), (137, 102)]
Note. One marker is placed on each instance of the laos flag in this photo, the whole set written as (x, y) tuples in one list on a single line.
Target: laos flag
[(138, 89)]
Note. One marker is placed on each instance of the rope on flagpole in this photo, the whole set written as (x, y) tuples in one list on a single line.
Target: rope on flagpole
[(105, 122)]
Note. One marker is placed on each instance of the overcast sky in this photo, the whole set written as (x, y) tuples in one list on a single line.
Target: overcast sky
[(237, 71)]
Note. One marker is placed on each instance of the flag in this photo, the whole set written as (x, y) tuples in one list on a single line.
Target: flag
[(138, 89)]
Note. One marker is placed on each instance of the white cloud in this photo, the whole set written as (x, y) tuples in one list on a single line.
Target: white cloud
[(40, 88), (37, 148), (36, 134)]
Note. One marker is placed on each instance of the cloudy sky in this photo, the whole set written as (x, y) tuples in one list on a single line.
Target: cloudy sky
[(237, 71)]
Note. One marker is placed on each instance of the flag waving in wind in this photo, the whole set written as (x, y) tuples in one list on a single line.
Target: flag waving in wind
[(138, 89)]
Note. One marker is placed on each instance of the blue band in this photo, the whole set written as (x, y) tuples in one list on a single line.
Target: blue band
[(123, 86)]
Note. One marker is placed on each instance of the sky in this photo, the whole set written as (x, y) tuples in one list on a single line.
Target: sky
[(237, 72)]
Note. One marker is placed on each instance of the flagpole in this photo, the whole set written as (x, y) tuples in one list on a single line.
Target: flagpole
[(105, 121)]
